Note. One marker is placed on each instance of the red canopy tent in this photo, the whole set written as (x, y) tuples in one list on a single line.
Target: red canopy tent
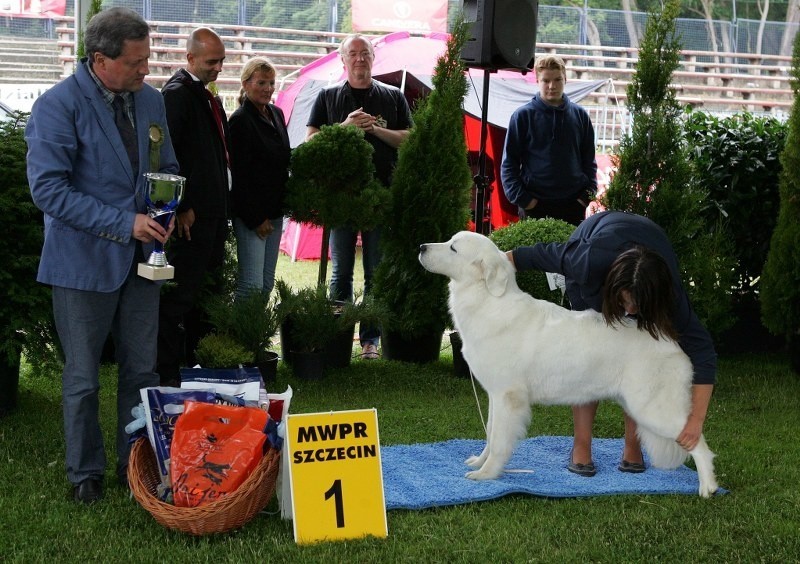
[(408, 62)]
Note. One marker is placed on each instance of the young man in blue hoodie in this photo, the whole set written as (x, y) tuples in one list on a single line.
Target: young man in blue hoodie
[(549, 167)]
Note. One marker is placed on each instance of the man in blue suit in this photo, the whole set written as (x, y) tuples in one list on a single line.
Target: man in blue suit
[(87, 153)]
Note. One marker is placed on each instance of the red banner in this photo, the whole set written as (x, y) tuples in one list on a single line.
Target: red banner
[(414, 16), (33, 8)]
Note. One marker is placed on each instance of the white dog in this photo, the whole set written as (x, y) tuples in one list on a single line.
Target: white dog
[(525, 351)]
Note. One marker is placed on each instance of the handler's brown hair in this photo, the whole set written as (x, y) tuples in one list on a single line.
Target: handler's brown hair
[(645, 274)]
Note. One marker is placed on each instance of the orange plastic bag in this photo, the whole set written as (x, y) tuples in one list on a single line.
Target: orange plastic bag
[(214, 449)]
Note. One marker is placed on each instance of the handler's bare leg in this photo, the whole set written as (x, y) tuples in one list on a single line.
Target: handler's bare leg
[(632, 452), (583, 422)]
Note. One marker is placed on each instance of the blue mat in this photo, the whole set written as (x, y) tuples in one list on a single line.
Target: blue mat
[(429, 475)]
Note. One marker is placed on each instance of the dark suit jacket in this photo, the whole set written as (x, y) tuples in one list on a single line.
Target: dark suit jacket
[(260, 164), (198, 146)]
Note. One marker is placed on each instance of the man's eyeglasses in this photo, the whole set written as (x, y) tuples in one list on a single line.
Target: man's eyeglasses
[(359, 55)]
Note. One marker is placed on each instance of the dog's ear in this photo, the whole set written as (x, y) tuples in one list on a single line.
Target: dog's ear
[(495, 276)]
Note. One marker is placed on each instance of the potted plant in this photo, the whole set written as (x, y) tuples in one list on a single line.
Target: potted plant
[(313, 326), (333, 184), (251, 322), (217, 350), (430, 202), (26, 310), (308, 325)]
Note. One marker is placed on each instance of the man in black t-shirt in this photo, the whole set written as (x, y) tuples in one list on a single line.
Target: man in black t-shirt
[(382, 113)]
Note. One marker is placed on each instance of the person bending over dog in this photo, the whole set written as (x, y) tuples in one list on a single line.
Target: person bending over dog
[(622, 264)]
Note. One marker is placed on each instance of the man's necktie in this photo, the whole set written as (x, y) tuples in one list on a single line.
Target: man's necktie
[(127, 132), (217, 111)]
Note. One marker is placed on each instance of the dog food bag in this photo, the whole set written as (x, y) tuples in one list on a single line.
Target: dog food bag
[(162, 408), (214, 449), (240, 382)]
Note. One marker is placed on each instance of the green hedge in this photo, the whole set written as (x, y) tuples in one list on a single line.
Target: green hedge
[(737, 162)]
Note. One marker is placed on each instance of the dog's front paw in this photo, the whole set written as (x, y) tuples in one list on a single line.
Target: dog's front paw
[(474, 462), (480, 475), (708, 489)]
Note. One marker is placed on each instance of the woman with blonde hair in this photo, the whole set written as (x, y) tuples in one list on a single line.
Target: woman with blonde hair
[(260, 168)]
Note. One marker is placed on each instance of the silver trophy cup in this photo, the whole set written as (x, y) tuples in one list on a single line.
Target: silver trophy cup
[(162, 194)]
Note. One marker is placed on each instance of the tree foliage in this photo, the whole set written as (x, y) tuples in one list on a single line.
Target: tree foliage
[(780, 287), (736, 159), (25, 312), (430, 201), (311, 15), (655, 176)]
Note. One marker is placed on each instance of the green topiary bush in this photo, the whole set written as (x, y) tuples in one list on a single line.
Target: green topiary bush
[(333, 184), (528, 232), (333, 180)]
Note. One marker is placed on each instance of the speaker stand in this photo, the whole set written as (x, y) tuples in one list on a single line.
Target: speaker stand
[(482, 217)]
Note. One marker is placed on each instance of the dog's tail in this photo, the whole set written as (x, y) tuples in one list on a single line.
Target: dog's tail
[(664, 452)]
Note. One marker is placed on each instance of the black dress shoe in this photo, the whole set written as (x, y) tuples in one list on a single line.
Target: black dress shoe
[(88, 491)]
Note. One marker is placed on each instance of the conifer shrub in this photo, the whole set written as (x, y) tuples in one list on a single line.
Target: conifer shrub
[(780, 285), (655, 177), (430, 193), (26, 321)]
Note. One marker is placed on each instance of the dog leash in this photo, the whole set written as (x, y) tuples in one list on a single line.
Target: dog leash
[(477, 400), (483, 422)]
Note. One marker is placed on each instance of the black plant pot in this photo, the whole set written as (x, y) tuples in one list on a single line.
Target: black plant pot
[(460, 366), (9, 383), (269, 367), (339, 352), (308, 365), (287, 344), (419, 350)]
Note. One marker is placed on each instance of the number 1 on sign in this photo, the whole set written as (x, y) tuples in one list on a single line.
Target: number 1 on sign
[(335, 491)]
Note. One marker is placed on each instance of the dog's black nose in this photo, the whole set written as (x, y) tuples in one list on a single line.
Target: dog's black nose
[(422, 247)]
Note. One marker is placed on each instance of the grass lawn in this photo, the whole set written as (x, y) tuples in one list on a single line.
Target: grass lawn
[(752, 425)]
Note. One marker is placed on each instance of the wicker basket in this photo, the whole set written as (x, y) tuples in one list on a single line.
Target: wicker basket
[(225, 514)]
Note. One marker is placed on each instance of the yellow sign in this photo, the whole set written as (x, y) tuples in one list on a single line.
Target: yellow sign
[(335, 474)]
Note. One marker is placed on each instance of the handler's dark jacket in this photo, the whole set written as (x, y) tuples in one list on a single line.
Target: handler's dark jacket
[(586, 258)]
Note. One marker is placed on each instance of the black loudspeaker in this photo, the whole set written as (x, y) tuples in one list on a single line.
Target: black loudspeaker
[(502, 33)]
